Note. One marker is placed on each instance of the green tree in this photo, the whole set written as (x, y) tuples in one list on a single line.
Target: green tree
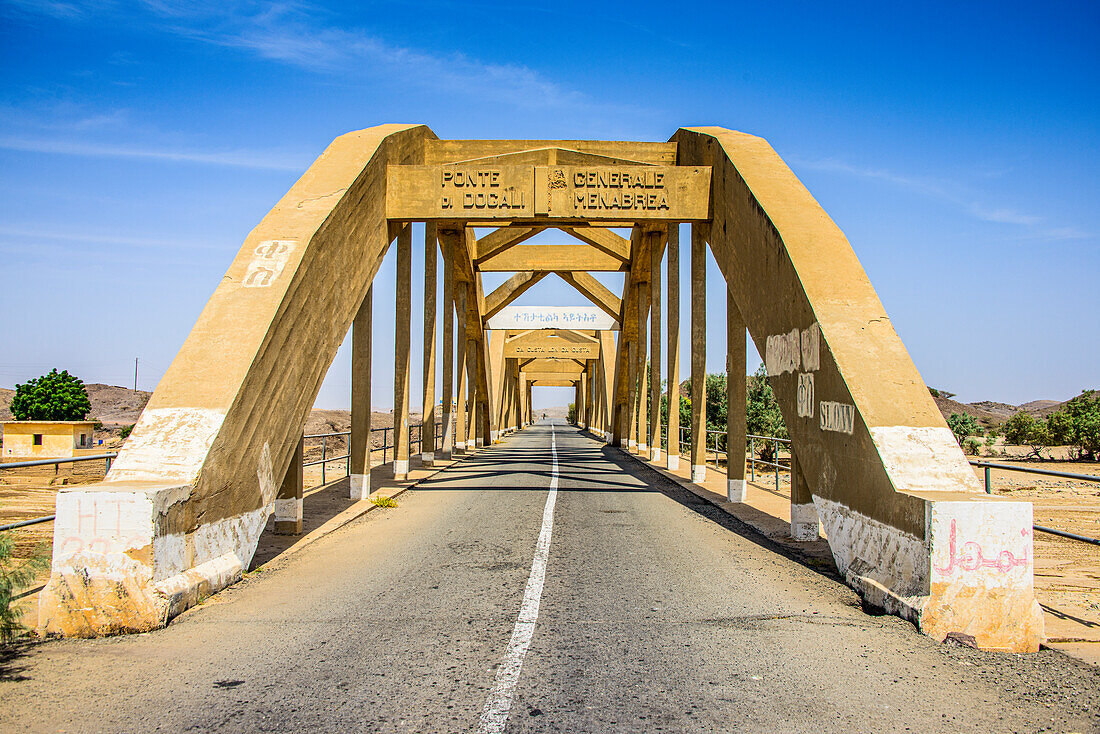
[(56, 396), (1077, 424), (764, 416), (570, 415), (963, 426), (1023, 429)]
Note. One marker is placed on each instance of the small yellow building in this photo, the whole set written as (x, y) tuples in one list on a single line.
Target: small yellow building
[(47, 439)]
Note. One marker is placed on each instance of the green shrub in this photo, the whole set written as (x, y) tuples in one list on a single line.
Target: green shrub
[(571, 413), (1077, 424), (963, 426), (1023, 429), (14, 576), (125, 431), (55, 396)]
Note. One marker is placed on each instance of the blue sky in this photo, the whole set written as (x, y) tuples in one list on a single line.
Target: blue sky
[(957, 145)]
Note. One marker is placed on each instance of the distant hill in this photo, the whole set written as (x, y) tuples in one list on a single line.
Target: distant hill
[(116, 406)]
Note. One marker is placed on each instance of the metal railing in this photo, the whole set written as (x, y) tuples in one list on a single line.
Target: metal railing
[(989, 466), (416, 441), (107, 458), (750, 445)]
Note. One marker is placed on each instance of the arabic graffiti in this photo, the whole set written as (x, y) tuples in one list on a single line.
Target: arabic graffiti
[(971, 556)]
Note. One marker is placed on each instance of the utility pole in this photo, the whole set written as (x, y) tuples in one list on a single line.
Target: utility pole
[(135, 373)]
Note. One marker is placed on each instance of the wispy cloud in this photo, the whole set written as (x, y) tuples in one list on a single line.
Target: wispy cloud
[(949, 192), (22, 234), (297, 35), (234, 158)]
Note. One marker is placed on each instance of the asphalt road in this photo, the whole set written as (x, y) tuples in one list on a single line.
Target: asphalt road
[(656, 614)]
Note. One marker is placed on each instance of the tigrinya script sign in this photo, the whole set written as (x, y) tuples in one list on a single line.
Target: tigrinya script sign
[(605, 193), (552, 317)]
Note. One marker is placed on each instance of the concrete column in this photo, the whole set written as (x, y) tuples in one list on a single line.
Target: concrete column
[(673, 459), (592, 396), (401, 348), (643, 386), (517, 394), (578, 399), (805, 524), (460, 366), (359, 449), (530, 403), (448, 347), (656, 252), (736, 401), (632, 396), (288, 502), (698, 354), (427, 426), (473, 394)]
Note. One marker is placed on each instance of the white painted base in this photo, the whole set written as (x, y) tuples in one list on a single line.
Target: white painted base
[(360, 486), (480, 442), (427, 458), (631, 444), (288, 510), (698, 473), (672, 462), (494, 436), (805, 525), (736, 490), (460, 445), (655, 454), (643, 448), (401, 467)]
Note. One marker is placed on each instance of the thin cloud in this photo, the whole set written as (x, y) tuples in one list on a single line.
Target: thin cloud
[(235, 158), (945, 191), (35, 233)]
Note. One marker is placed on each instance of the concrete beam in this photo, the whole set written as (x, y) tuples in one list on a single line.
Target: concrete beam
[(510, 290), (551, 257), (594, 291)]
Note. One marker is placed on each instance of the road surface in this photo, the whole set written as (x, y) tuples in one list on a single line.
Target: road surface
[(545, 584)]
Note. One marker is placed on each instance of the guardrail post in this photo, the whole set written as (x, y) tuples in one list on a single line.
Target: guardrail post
[(752, 459), (805, 524), (988, 481), (288, 502)]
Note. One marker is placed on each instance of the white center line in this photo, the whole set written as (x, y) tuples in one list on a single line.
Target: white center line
[(499, 703)]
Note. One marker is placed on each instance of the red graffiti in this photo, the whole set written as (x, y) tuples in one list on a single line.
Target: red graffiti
[(970, 557)]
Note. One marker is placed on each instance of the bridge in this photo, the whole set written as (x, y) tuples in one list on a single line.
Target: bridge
[(217, 450)]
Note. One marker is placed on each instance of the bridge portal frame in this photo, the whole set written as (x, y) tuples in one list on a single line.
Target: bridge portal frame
[(180, 513)]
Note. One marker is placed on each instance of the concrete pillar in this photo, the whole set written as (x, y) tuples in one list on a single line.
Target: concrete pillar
[(401, 347), (460, 366), (577, 402), (517, 394), (632, 397), (805, 524), (472, 394), (655, 254), (578, 391), (736, 401), (673, 459), (448, 347), (643, 387), (427, 426), (359, 448), (288, 502), (698, 354)]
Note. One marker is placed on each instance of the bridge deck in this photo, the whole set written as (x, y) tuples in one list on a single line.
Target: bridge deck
[(653, 614)]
